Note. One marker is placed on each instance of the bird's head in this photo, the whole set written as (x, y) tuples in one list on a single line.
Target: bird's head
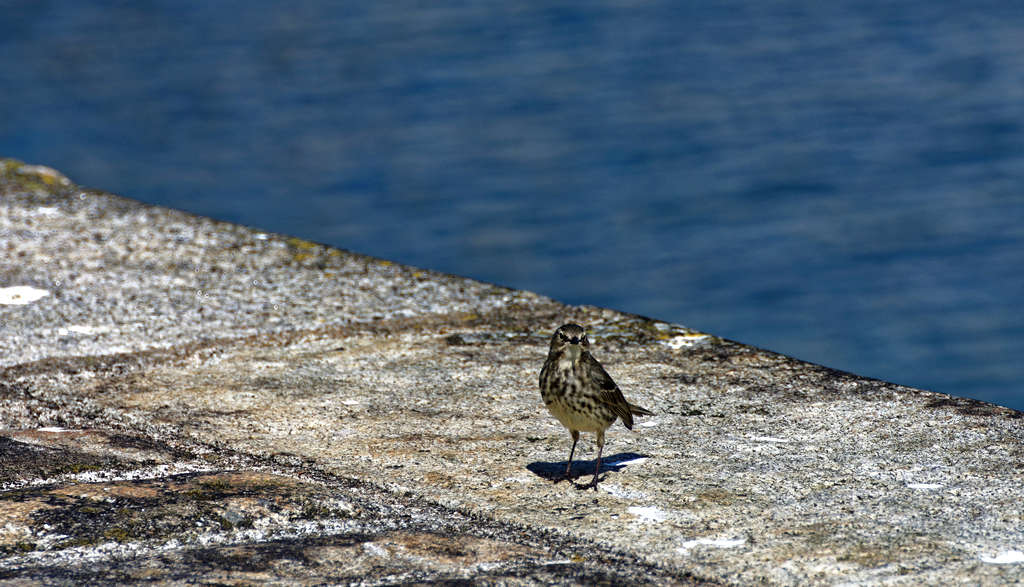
[(571, 339)]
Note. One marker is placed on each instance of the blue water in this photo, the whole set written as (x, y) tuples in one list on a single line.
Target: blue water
[(839, 181)]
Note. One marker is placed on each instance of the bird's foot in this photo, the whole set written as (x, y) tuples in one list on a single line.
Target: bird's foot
[(567, 476)]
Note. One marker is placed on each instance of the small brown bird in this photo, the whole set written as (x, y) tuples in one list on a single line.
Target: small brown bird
[(579, 392)]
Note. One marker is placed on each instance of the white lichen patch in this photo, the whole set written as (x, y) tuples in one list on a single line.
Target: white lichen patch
[(924, 486), (712, 542), (648, 513), (82, 329), (771, 439), (20, 295), (620, 492), (1004, 558), (681, 341), (632, 461)]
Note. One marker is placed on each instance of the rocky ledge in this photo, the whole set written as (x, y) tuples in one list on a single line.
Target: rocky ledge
[(183, 399)]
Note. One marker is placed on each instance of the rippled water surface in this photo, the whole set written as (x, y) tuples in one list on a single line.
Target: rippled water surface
[(839, 181)]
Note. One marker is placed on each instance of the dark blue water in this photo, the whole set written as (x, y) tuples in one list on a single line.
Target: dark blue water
[(840, 181)]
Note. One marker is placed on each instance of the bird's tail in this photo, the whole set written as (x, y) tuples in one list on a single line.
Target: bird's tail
[(627, 419), (638, 411)]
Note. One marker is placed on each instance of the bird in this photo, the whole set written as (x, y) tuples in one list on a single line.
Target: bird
[(580, 394)]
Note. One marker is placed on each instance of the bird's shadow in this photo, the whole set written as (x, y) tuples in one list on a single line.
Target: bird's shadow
[(555, 471)]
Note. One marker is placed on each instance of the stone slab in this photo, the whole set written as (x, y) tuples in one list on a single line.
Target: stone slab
[(194, 400)]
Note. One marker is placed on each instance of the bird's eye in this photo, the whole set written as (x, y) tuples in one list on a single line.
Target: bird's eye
[(562, 335)]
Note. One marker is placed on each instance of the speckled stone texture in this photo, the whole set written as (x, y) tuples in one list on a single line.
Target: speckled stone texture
[(194, 400)]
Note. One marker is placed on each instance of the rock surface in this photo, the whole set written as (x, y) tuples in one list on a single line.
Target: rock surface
[(185, 399)]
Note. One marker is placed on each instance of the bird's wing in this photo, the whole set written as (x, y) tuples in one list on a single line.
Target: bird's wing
[(610, 394)]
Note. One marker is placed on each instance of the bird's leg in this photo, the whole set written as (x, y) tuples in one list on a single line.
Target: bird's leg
[(597, 468), (575, 439)]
